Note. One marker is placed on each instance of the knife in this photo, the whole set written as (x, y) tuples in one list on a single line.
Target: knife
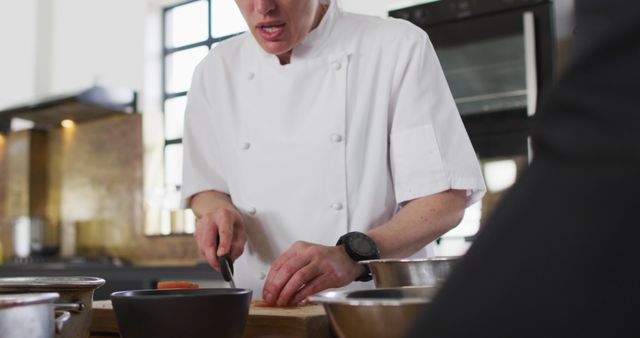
[(226, 266)]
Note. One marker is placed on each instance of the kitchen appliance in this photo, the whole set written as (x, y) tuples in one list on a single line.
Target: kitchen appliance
[(176, 313), (76, 297), (432, 271), (376, 313), (499, 58), (84, 105)]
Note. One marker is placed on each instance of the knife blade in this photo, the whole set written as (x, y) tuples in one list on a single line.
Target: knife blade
[(226, 268)]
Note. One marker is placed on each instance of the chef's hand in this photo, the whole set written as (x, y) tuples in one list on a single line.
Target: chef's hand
[(228, 225), (305, 269)]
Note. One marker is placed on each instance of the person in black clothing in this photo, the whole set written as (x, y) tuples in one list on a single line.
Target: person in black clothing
[(560, 256)]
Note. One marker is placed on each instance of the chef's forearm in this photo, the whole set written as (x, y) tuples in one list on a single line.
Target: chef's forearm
[(418, 223), (209, 201)]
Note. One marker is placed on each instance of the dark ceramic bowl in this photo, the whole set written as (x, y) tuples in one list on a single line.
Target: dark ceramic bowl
[(181, 313)]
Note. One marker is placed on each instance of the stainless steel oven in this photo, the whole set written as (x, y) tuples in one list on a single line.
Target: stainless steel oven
[(498, 57)]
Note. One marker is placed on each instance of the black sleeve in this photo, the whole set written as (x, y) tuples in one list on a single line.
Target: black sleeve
[(560, 256)]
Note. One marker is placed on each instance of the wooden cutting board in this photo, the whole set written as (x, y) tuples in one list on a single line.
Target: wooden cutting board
[(309, 321)]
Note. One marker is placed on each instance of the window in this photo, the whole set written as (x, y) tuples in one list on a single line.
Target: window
[(190, 29)]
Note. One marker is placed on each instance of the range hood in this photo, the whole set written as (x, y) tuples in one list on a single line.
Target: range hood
[(90, 104)]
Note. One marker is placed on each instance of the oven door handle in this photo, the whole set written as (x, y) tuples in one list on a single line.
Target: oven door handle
[(529, 29)]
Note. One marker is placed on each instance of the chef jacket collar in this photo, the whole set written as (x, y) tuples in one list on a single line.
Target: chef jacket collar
[(314, 43)]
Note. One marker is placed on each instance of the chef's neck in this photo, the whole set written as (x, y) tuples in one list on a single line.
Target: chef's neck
[(285, 58)]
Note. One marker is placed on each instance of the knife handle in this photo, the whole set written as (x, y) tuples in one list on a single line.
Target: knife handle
[(226, 265)]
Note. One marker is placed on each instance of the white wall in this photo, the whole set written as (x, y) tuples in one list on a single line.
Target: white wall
[(57, 46), (17, 50), (97, 41)]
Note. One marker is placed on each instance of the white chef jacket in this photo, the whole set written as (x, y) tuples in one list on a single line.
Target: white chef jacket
[(360, 121)]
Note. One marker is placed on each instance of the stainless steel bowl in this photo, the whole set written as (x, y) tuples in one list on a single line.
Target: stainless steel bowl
[(76, 296), (375, 313), (411, 272)]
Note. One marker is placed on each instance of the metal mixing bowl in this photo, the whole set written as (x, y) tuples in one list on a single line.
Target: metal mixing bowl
[(375, 313), (411, 272)]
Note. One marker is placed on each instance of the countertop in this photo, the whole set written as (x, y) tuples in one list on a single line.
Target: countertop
[(309, 321)]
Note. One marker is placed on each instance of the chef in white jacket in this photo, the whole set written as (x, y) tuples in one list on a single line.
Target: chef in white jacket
[(316, 126)]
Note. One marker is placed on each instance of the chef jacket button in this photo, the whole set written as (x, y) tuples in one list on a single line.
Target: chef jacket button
[(336, 206), (245, 145), (262, 276), (252, 211), (251, 76), (336, 138), (336, 65)]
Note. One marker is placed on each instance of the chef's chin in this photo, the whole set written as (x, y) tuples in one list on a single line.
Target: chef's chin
[(275, 47)]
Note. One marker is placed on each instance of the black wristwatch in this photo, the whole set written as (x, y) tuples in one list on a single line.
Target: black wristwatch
[(360, 247)]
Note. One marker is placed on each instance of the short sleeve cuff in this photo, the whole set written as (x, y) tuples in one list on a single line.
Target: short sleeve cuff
[(474, 188)]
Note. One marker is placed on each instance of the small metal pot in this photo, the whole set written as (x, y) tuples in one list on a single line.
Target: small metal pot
[(389, 273), (30, 315), (375, 313), (76, 297)]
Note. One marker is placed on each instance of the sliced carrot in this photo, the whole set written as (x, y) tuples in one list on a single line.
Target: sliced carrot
[(177, 285), (262, 303)]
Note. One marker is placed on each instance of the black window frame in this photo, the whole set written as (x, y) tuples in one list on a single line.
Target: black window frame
[(166, 95), (167, 52)]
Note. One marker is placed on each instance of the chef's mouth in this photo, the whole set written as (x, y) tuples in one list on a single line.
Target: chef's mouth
[(271, 31), (271, 28)]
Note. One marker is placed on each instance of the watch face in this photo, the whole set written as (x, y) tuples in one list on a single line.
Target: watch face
[(362, 246)]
